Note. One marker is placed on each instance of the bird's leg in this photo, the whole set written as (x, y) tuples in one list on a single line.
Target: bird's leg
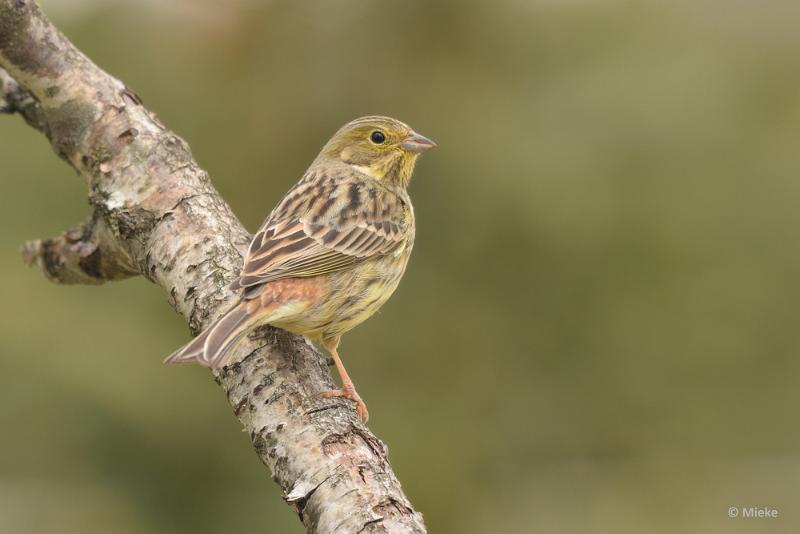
[(348, 390)]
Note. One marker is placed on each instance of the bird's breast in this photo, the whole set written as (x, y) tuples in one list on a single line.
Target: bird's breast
[(350, 297)]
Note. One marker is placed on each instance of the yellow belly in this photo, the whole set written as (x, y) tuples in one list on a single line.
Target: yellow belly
[(352, 296)]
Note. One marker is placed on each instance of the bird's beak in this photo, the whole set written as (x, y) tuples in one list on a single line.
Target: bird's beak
[(417, 143)]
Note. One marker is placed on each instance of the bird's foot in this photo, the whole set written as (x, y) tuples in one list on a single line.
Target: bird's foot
[(350, 393)]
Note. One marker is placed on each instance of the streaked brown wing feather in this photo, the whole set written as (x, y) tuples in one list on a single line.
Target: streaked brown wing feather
[(325, 224)]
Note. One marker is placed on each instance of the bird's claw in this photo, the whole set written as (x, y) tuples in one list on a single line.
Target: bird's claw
[(350, 393)]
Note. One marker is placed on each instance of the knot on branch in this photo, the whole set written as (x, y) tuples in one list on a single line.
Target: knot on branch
[(81, 255)]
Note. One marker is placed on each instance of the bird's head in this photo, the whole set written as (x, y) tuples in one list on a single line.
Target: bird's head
[(380, 147)]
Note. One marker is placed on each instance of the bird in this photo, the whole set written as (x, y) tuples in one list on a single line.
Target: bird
[(331, 252)]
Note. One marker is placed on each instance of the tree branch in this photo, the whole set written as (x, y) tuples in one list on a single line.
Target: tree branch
[(156, 213), (86, 254)]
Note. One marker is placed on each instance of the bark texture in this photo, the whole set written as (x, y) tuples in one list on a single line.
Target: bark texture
[(156, 213)]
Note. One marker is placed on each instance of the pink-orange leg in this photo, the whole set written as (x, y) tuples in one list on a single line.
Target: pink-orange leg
[(348, 390)]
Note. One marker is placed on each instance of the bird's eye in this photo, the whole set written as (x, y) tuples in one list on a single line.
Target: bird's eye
[(377, 137)]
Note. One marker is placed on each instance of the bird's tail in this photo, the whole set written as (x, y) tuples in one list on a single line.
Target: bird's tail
[(212, 346)]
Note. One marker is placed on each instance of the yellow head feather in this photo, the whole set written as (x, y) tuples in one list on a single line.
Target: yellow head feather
[(380, 147)]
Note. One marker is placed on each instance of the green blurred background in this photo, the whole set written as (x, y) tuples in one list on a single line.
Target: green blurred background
[(598, 330)]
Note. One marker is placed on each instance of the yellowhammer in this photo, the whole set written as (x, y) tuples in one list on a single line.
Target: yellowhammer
[(332, 251)]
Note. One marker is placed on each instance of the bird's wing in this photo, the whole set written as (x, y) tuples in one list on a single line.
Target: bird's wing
[(326, 224)]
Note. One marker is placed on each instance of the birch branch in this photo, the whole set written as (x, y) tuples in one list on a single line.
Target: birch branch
[(156, 213)]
